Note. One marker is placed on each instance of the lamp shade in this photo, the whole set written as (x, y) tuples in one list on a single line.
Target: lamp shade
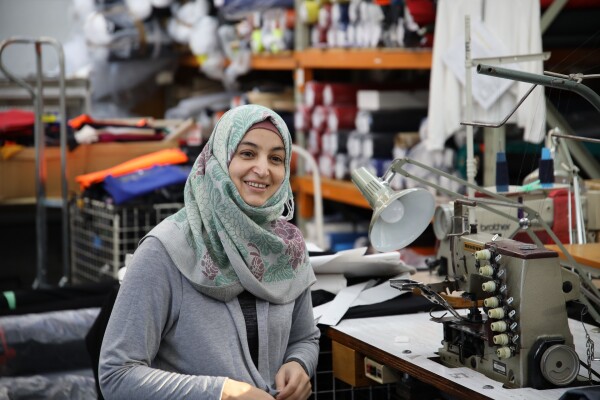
[(398, 217)]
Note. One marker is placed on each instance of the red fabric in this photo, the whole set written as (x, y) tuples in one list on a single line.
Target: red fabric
[(107, 137), (422, 11), (560, 226), (16, 120), (346, 116)]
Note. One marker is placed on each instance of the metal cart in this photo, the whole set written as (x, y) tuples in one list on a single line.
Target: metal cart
[(42, 202)]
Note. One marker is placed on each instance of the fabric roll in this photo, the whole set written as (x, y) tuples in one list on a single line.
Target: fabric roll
[(338, 142), (319, 118), (302, 118), (340, 13), (378, 145), (341, 117), (314, 141), (351, 34), (390, 120), (309, 12), (354, 144), (358, 162), (337, 36), (341, 170), (313, 93), (387, 99), (341, 93), (324, 17), (46, 342), (380, 165), (318, 36), (326, 143), (327, 166)]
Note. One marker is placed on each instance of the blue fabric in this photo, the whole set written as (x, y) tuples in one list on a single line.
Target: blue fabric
[(144, 181)]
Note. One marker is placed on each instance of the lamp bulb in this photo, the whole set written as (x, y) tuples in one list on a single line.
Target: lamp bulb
[(393, 212)]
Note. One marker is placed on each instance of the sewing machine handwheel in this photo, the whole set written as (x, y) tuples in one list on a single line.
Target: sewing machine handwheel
[(560, 364)]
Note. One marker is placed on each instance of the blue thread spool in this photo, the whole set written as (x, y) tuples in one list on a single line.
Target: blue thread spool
[(502, 180), (546, 168)]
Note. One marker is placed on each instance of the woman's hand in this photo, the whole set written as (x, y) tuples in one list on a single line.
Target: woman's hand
[(292, 382), (236, 390)]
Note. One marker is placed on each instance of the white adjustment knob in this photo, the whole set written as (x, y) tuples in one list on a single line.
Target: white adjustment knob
[(483, 254), (504, 352), (486, 270), (496, 313), (501, 339), (498, 326), (489, 286), (491, 302)]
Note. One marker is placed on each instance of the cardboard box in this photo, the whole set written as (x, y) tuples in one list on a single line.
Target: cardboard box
[(17, 174)]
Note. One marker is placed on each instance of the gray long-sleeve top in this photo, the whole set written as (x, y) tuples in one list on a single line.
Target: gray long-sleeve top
[(166, 340)]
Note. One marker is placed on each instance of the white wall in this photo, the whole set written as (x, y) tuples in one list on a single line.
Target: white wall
[(34, 19)]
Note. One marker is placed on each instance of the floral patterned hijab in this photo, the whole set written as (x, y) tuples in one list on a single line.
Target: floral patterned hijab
[(221, 244)]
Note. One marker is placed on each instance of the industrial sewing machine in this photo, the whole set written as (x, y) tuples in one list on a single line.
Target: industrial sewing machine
[(522, 337), (519, 335)]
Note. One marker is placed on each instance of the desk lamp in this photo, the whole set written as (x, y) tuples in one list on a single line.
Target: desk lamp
[(398, 217)]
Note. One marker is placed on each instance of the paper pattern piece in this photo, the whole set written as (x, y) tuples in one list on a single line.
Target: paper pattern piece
[(354, 263), (361, 294)]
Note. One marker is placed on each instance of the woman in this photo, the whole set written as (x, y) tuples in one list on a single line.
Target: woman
[(216, 300)]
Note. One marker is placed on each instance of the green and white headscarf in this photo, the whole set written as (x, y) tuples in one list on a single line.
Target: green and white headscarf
[(221, 244)]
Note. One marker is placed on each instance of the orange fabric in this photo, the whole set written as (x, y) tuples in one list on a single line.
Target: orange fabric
[(162, 157)]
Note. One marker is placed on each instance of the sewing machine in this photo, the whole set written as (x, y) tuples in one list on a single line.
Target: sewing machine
[(519, 334), (521, 338)]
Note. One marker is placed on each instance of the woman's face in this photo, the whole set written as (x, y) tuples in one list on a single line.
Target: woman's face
[(258, 166)]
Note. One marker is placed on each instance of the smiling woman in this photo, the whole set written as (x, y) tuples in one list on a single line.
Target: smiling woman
[(229, 252), (257, 168)]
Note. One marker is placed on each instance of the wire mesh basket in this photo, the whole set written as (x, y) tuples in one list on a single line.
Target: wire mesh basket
[(103, 234)]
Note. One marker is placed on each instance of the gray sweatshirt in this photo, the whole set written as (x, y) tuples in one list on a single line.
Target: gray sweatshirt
[(166, 340)]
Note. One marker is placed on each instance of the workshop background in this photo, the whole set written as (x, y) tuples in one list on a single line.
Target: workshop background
[(359, 83)]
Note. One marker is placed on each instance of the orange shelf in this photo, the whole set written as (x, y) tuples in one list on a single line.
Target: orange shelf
[(364, 58), (281, 62), (269, 62), (337, 59), (331, 189)]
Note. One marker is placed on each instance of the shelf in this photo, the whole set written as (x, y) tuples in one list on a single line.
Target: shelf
[(331, 189), (364, 58), (337, 59), (284, 61)]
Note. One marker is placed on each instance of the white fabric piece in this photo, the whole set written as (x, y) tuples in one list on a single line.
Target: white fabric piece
[(516, 24)]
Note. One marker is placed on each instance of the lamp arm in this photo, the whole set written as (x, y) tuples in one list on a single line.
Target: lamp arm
[(397, 167), (550, 81)]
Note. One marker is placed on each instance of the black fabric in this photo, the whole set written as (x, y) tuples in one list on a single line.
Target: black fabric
[(406, 303), (30, 301), (34, 357), (583, 393), (93, 339), (248, 304)]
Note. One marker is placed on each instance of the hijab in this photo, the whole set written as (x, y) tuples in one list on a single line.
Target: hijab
[(221, 244)]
